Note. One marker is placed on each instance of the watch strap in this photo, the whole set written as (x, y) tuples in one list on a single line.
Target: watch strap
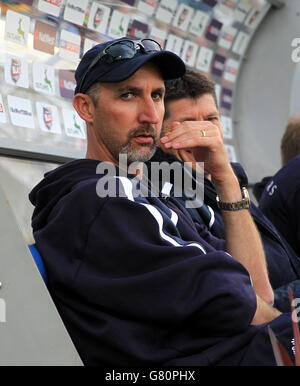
[(237, 205)]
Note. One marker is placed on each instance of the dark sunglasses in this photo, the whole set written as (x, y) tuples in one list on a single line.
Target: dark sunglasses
[(123, 49)]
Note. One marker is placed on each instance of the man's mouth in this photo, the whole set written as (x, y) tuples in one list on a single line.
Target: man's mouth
[(144, 139)]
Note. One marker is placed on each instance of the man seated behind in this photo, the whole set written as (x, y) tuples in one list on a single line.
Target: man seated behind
[(131, 275), (280, 200), (191, 105)]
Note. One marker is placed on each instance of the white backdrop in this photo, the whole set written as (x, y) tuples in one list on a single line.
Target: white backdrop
[(267, 92)]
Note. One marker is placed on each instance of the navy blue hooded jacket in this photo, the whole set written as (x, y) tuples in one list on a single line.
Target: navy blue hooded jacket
[(135, 281), (280, 202)]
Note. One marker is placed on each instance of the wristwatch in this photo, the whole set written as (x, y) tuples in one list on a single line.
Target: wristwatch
[(238, 205)]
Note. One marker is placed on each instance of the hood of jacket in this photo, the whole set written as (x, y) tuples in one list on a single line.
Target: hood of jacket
[(56, 184)]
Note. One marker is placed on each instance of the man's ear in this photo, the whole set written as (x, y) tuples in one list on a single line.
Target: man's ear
[(84, 106)]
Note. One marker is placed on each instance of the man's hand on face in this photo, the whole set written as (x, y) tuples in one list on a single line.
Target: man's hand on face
[(200, 141)]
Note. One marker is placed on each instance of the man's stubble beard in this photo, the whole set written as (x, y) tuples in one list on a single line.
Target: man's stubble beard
[(135, 153)]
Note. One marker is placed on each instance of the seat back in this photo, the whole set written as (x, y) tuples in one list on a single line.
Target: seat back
[(31, 330), (38, 261)]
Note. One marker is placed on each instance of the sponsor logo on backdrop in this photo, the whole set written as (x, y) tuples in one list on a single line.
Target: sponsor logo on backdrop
[(147, 6), (213, 30), (199, 23), (69, 46), (74, 125), (20, 111), (52, 7), (75, 11), (98, 18), (227, 126), (44, 37), (226, 98), (166, 10), (118, 25), (17, 27), (43, 78), (174, 44), (48, 118), (138, 29), (254, 18), (189, 53), (16, 71), (204, 59), (231, 70), (183, 17), (218, 65), (242, 10), (240, 43), (67, 83), (228, 34)]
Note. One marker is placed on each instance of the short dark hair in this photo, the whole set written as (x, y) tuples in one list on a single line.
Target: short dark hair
[(191, 85), (290, 142), (93, 92)]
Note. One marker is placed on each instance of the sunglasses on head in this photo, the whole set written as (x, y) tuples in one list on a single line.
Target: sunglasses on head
[(123, 49)]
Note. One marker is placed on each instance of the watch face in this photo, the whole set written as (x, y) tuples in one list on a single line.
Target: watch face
[(245, 193)]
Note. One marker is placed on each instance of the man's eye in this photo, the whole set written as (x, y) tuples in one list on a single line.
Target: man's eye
[(156, 96), (127, 95)]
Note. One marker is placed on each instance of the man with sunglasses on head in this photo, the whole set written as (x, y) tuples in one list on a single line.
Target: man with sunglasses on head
[(135, 281)]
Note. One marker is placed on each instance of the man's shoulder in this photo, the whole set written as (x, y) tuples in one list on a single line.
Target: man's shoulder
[(95, 175), (290, 169), (286, 180), (282, 189)]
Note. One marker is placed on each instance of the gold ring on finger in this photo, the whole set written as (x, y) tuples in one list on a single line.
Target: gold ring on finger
[(203, 133)]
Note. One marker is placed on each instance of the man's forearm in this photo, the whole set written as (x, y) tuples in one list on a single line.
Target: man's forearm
[(265, 313), (243, 241)]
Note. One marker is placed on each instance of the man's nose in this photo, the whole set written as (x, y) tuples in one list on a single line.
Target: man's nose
[(150, 112)]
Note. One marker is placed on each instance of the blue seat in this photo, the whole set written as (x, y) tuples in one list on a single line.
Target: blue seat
[(38, 261)]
